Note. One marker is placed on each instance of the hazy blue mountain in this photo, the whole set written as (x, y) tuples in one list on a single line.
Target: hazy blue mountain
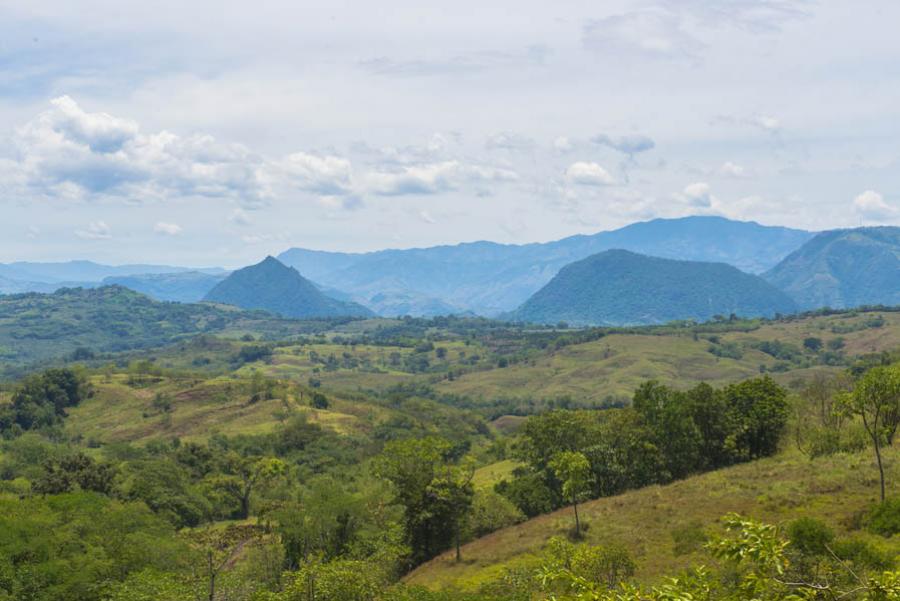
[(277, 288), (843, 268), (618, 287), (184, 287), (85, 271), (489, 278)]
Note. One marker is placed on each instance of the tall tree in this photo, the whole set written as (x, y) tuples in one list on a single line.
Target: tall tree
[(874, 397), (574, 471)]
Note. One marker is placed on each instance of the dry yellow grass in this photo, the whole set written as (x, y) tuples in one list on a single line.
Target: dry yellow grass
[(775, 490)]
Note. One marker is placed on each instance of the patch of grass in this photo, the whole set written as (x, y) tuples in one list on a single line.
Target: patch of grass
[(776, 490)]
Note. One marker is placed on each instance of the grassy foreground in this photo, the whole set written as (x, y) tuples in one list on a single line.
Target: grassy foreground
[(837, 489)]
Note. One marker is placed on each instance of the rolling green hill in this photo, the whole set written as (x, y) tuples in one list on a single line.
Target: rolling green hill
[(39, 327), (274, 287), (619, 287), (843, 268)]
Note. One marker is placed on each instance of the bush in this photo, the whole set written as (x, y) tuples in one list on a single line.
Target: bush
[(810, 536), (884, 519)]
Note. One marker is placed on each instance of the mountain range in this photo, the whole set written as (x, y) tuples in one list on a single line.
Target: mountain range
[(279, 289), (487, 278), (618, 287), (840, 268)]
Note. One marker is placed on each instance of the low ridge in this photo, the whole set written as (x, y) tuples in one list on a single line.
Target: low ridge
[(619, 287)]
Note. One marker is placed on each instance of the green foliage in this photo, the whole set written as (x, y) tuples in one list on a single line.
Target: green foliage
[(67, 546), (884, 518), (810, 536), (618, 287), (42, 399), (74, 472)]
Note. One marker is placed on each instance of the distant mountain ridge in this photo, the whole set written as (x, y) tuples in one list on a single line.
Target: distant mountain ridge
[(843, 269), (272, 286), (619, 287), (489, 278), (181, 287)]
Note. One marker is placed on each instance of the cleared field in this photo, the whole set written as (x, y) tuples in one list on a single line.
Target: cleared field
[(612, 367), (119, 413)]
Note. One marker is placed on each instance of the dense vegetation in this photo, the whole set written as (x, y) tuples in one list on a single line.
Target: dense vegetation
[(619, 287), (843, 268), (274, 287), (85, 322), (340, 462)]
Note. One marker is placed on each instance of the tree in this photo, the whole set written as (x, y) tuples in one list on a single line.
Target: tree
[(75, 472), (245, 475), (876, 395), (812, 344), (433, 492), (574, 470)]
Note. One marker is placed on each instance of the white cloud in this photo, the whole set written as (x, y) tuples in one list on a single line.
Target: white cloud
[(766, 122), (434, 178), (507, 140), (325, 175), (426, 217), (871, 206), (96, 230), (698, 195), (651, 33), (729, 169), (168, 229), (588, 174), (629, 144), (67, 152), (563, 144), (239, 217)]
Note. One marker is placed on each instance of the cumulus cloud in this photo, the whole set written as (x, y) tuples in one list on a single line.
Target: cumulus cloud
[(588, 174), (167, 229), (651, 33), (629, 144), (698, 195), (96, 230), (434, 178), (871, 206), (325, 175), (67, 152)]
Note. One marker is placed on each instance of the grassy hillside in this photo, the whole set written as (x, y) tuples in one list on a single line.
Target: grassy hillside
[(835, 489), (610, 368)]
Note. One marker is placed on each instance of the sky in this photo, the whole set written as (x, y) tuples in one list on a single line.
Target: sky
[(215, 133)]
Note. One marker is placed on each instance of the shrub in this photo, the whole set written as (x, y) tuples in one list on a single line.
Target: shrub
[(884, 519), (810, 536)]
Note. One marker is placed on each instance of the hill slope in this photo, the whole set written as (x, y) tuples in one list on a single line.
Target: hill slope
[(272, 286), (843, 268), (786, 487), (489, 278), (618, 287), (182, 287)]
